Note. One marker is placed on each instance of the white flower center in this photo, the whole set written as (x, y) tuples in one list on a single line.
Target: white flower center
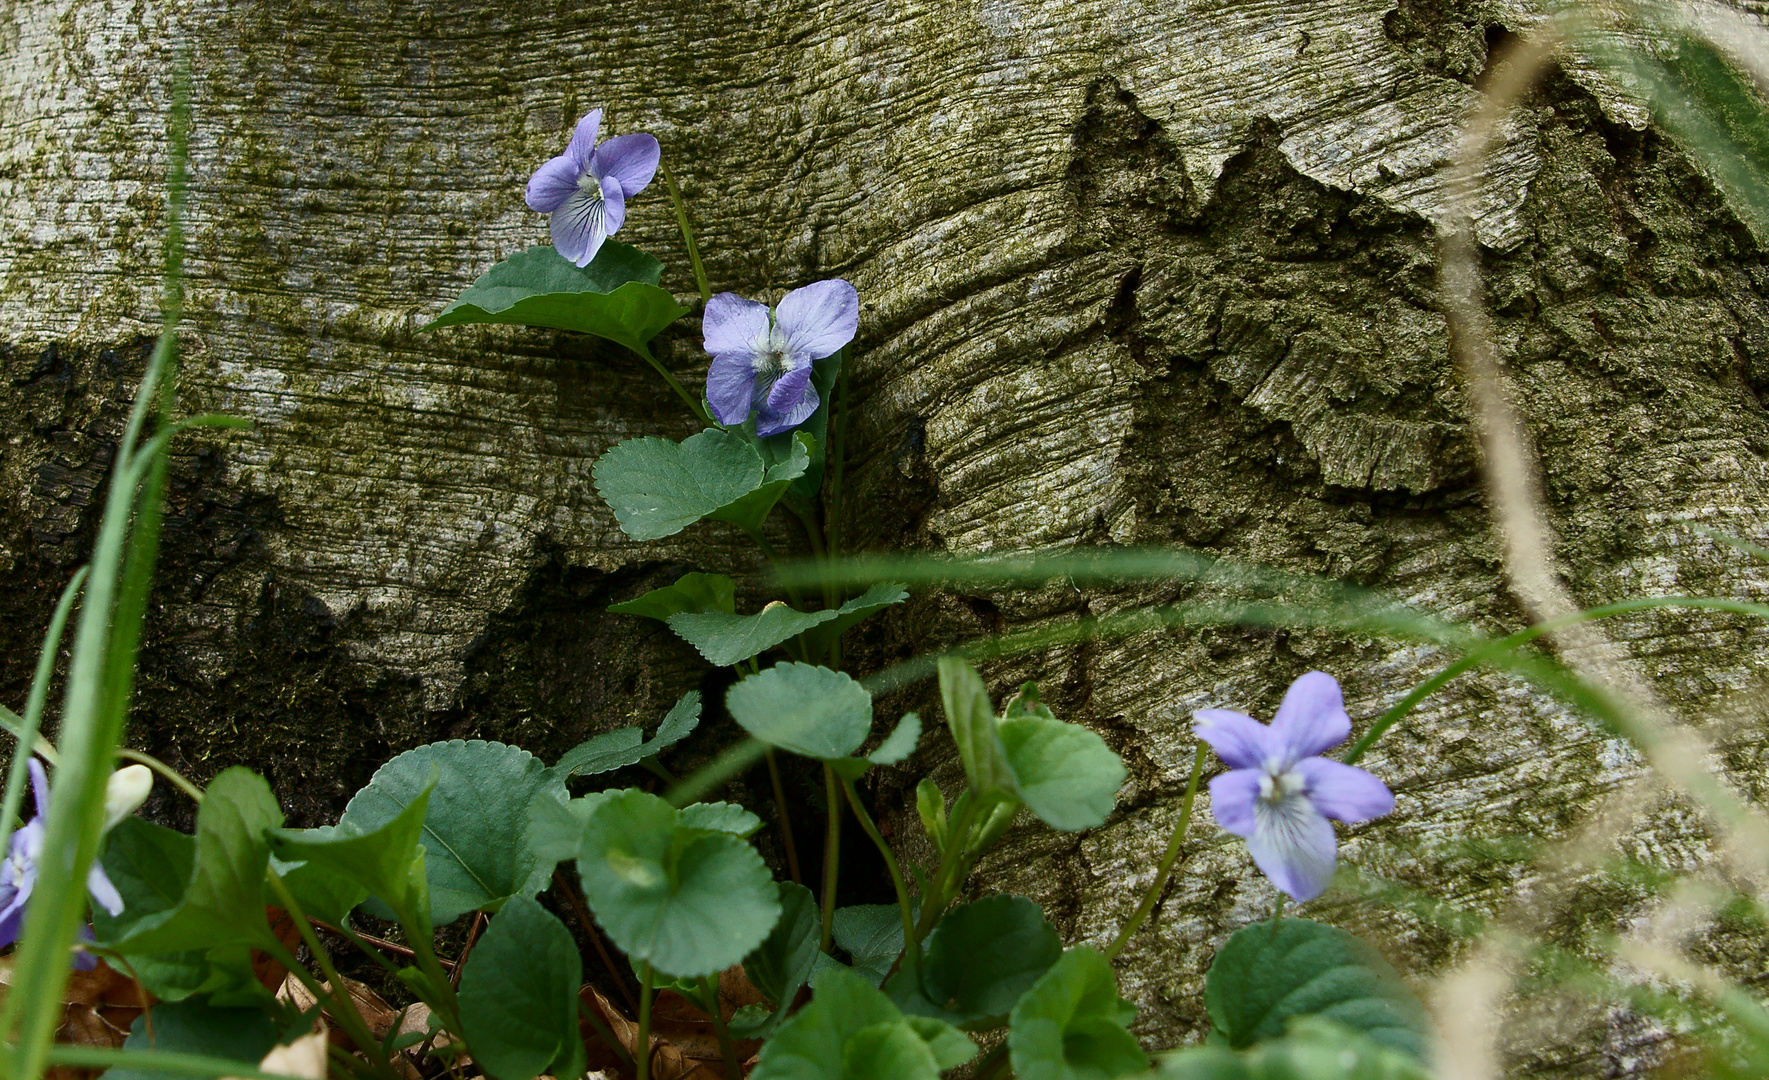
[(1278, 787), (772, 357)]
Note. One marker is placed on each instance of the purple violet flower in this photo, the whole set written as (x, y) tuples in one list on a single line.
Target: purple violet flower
[(764, 363), (1279, 793), (586, 188), (18, 873)]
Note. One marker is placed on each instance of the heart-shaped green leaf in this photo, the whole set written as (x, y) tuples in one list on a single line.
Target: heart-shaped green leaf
[(1072, 1025), (379, 860), (725, 639), (819, 638), (872, 935), (1263, 977), (626, 746), (195, 1027), (614, 297), (720, 817), (803, 708), (971, 716), (222, 903), (851, 1031), (691, 592), (477, 849), (900, 743), (1313, 1048), (689, 901), (783, 962), (983, 956), (657, 488), (519, 995), (1063, 772)]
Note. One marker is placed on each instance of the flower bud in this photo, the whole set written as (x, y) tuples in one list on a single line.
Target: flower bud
[(124, 793)]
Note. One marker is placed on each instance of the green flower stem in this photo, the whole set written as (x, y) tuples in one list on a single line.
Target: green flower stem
[(642, 1051), (91, 722), (1168, 859), (173, 776), (710, 987), (32, 721), (669, 183), (994, 1065), (773, 558), (694, 406), (603, 1033), (911, 946), (832, 848), (343, 1008), (838, 446), (792, 851), (1277, 912), (953, 868), (562, 883)]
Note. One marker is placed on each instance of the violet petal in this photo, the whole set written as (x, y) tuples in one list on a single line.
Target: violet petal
[(577, 227), (583, 140), (1311, 718), (730, 385), (733, 325), (1239, 740), (614, 205), (819, 318), (631, 159), (791, 401), (1294, 846), (1232, 798), (552, 184), (1343, 791)]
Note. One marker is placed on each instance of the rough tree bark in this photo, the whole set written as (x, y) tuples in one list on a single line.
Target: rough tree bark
[(1132, 272)]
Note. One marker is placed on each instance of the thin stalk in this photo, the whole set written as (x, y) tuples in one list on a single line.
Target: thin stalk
[(694, 406), (669, 182), (792, 851), (32, 721), (342, 1008), (911, 948), (14, 724), (728, 1050), (655, 768), (952, 867), (368, 945), (173, 776), (773, 558), (347, 1014), (832, 850), (994, 1065), (642, 1051), (1277, 913), (91, 726), (838, 448), (1169, 859), (582, 911), (603, 1032)]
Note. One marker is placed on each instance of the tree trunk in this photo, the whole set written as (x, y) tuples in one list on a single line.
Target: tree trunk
[(1131, 272)]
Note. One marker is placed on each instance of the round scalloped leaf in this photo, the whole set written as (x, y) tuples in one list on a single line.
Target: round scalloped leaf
[(983, 956), (803, 708), (1263, 977), (614, 297), (689, 901), (1072, 1025), (519, 995), (477, 852), (1063, 772)]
